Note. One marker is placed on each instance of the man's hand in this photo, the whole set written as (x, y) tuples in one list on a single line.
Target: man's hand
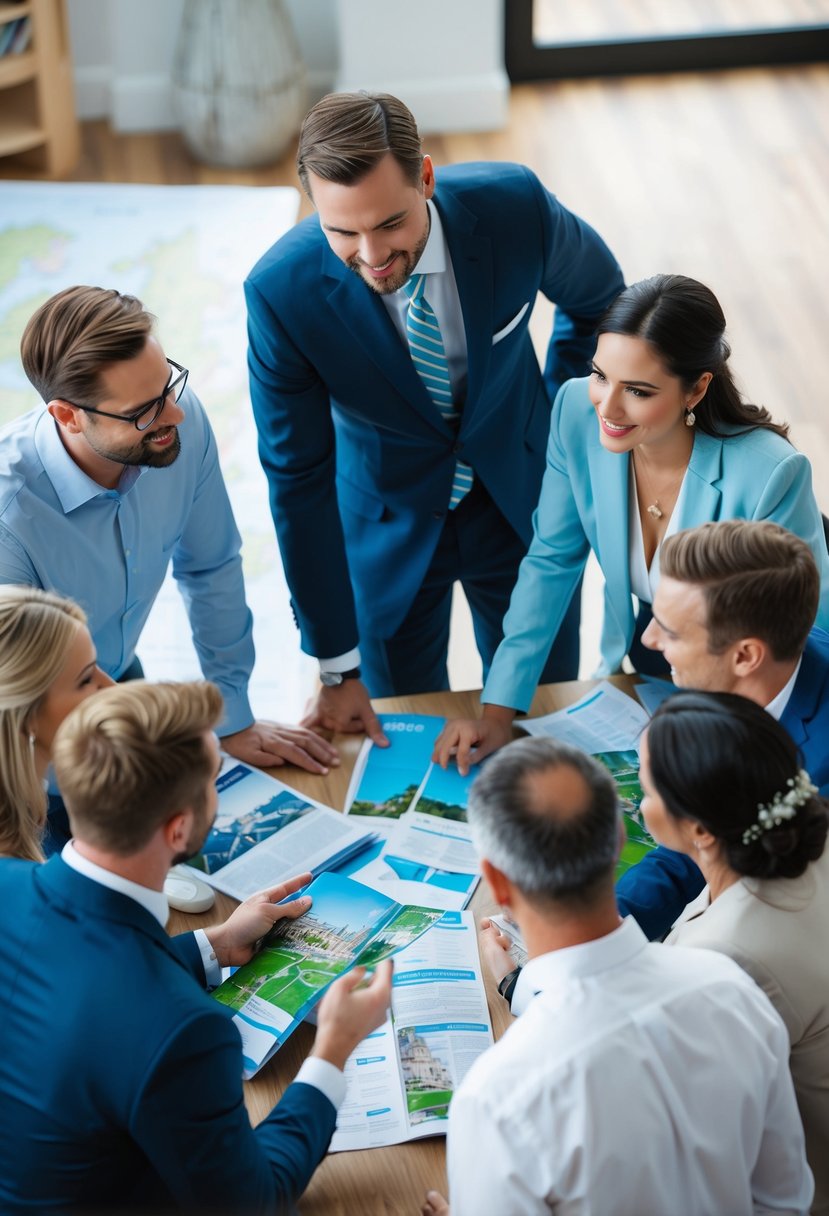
[(269, 745), (235, 941), (345, 708), (348, 1013), (470, 739), (495, 949)]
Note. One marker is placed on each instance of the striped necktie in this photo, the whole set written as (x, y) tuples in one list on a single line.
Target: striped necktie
[(429, 358)]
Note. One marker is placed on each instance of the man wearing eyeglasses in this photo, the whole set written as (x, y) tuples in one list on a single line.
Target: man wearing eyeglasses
[(99, 492)]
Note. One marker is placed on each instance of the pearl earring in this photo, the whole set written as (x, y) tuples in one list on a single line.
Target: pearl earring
[(690, 418), (32, 742)]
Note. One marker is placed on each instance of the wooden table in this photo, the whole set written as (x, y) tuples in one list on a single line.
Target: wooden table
[(379, 1180)]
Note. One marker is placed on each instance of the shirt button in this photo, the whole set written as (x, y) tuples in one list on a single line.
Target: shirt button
[(438, 514)]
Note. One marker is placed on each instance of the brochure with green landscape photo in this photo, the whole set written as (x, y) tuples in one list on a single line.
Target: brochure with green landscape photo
[(347, 925), (624, 768)]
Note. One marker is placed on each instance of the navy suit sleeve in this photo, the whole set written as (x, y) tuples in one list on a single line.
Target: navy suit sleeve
[(191, 1123), (292, 409), (657, 889), (186, 949), (581, 277)]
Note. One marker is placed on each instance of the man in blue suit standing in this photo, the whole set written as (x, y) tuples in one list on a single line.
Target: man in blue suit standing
[(734, 612), (402, 413), (120, 1079)]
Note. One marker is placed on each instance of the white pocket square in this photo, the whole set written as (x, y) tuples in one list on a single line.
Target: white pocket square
[(516, 320)]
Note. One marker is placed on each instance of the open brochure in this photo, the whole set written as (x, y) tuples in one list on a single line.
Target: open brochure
[(266, 832), (604, 718), (409, 882), (347, 925), (401, 1078), (624, 769), (400, 785)]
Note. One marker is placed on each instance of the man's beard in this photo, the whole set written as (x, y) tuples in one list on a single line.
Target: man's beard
[(407, 261), (139, 454)]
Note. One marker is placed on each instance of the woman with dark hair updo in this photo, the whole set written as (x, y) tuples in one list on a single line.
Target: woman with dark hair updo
[(723, 785), (657, 439)]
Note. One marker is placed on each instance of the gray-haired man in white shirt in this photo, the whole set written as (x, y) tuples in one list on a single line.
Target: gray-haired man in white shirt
[(639, 1079)]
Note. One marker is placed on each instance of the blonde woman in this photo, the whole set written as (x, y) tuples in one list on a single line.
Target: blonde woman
[(47, 666)]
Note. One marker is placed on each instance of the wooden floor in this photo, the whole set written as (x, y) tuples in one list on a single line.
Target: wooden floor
[(560, 21), (723, 176)]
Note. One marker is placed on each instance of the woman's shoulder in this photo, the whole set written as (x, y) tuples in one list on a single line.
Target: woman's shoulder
[(760, 442)]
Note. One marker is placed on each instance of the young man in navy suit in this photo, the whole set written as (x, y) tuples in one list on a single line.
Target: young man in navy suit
[(386, 489), (120, 1081), (733, 612)]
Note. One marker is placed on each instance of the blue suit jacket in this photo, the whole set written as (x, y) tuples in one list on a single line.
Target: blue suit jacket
[(657, 889), (359, 461), (584, 506), (120, 1079)]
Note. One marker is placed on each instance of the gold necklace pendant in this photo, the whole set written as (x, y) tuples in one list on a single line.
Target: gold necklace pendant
[(655, 510)]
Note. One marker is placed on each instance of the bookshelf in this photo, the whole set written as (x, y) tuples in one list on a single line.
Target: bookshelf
[(38, 126)]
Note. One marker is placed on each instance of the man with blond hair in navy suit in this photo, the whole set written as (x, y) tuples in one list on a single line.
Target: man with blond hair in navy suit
[(121, 1080)]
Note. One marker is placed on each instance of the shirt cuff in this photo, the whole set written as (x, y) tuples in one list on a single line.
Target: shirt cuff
[(238, 714), (341, 662), (325, 1077), (212, 970)]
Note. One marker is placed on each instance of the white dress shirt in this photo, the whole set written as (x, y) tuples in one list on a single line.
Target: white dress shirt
[(642, 1080), (325, 1077)]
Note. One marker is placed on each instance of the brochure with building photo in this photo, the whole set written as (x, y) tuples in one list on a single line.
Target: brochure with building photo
[(400, 1080), (400, 784), (266, 832), (347, 925)]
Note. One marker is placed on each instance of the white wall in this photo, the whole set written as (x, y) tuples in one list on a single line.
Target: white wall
[(123, 54), (443, 57)]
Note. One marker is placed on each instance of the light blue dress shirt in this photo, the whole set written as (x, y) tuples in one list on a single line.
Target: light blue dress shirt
[(110, 549)]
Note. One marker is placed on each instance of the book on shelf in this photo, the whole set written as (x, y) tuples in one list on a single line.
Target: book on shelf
[(15, 36), (265, 833), (347, 925), (400, 1080)]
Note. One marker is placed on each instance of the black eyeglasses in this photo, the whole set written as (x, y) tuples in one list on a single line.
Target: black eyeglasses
[(145, 415)]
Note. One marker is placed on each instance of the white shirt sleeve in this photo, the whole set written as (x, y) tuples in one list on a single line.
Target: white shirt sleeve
[(212, 970), (325, 1077)]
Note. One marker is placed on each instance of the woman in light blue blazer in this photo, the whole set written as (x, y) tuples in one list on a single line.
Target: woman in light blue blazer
[(655, 440)]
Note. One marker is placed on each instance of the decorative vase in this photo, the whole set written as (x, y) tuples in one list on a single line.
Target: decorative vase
[(239, 81)]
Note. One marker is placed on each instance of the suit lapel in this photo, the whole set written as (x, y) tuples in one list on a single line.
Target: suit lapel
[(471, 257), (803, 703), (364, 315), (701, 500), (609, 477)]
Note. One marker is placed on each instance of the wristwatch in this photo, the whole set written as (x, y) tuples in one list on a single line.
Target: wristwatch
[(507, 985), (333, 679)]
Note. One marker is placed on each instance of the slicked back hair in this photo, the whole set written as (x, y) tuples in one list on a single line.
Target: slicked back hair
[(758, 580), (346, 135), (78, 333)]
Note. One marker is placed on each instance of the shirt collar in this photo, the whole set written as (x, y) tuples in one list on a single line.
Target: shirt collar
[(72, 486), (557, 968), (778, 704), (155, 902), (433, 258)]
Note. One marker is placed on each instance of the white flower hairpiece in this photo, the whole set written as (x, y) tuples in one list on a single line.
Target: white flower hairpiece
[(782, 806)]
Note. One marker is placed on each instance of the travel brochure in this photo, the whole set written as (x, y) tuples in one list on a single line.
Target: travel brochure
[(400, 1080), (604, 719), (347, 925), (419, 806), (265, 833)]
